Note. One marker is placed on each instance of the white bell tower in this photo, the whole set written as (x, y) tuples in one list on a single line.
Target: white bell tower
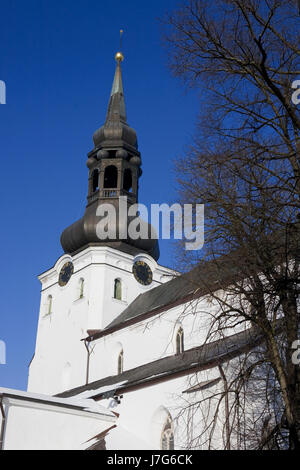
[(94, 281)]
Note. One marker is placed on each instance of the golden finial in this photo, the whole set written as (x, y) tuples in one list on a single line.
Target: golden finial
[(119, 56)]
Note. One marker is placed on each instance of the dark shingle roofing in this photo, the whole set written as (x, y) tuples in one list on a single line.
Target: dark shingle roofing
[(200, 358), (202, 385), (98, 441)]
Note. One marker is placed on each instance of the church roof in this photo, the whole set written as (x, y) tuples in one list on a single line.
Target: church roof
[(203, 357), (98, 442)]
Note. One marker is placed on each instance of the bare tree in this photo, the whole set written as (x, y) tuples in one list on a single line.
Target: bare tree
[(224, 416), (244, 165)]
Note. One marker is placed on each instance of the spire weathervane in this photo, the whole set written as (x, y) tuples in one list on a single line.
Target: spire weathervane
[(119, 56)]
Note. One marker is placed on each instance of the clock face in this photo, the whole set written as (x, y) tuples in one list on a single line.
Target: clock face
[(142, 272), (65, 274)]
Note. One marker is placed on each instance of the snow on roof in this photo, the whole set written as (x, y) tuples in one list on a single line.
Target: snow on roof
[(97, 391), (83, 403)]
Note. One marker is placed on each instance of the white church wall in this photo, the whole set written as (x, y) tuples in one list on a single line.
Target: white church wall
[(150, 340), (62, 326), (143, 414), (36, 426), (59, 343), (155, 338)]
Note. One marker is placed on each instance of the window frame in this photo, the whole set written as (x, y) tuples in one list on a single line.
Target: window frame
[(120, 286), (167, 441), (81, 288), (179, 341), (49, 305), (121, 362)]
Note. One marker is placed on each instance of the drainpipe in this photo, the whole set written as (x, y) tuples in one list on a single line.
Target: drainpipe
[(88, 361), (227, 426), (3, 423)]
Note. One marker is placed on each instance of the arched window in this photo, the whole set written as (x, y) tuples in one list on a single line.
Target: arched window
[(121, 362), (95, 178), (167, 435), (111, 177), (49, 305), (179, 341), (81, 288), (118, 289), (127, 184)]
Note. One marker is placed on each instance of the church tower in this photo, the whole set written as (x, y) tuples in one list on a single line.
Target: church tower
[(95, 279), (114, 171)]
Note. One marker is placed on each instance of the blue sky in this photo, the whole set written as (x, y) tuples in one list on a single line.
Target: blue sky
[(57, 60)]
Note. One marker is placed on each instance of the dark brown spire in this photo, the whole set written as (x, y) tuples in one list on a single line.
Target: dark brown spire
[(114, 171), (116, 132), (116, 108)]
